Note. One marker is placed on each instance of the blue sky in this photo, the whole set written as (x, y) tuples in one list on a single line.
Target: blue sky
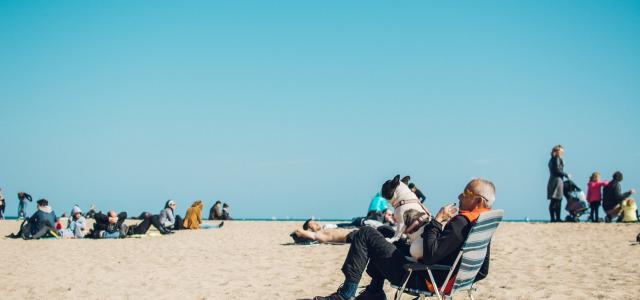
[(296, 108)]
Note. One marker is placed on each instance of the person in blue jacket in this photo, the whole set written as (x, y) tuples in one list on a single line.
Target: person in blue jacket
[(377, 205)]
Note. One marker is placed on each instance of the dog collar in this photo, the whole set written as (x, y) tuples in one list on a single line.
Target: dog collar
[(416, 224)]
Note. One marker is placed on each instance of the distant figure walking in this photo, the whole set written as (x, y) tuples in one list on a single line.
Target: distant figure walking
[(555, 186), (2, 205), (594, 195), (22, 204)]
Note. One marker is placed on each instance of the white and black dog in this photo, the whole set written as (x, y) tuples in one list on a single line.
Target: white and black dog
[(402, 199)]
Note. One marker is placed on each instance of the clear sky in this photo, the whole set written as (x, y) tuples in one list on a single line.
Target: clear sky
[(300, 108)]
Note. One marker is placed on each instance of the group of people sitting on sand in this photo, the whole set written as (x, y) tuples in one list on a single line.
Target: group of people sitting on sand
[(414, 234), (44, 223), (617, 205)]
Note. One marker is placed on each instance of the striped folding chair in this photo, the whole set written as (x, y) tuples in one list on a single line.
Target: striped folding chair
[(470, 258)]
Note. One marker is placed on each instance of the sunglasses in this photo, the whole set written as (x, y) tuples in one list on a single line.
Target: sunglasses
[(469, 193)]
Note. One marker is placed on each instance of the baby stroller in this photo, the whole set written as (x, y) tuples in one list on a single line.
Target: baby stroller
[(576, 201)]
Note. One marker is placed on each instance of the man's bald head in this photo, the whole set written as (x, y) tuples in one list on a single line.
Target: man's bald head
[(483, 188)]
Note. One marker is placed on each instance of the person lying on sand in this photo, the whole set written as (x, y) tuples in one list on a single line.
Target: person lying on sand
[(311, 230), (332, 233), (370, 251), (109, 226)]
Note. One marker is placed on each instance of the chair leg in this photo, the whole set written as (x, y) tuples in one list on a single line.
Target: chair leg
[(435, 285), (404, 285)]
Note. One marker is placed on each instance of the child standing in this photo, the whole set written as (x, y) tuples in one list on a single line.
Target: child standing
[(594, 195)]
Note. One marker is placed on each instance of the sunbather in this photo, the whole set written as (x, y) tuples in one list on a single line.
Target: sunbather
[(382, 260), (109, 226), (147, 221), (311, 230)]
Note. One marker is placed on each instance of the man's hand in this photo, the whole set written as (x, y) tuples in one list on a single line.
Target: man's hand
[(445, 213), (632, 191)]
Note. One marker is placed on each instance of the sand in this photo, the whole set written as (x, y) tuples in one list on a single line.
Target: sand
[(247, 260)]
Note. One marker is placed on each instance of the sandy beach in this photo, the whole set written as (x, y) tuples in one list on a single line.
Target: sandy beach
[(250, 260)]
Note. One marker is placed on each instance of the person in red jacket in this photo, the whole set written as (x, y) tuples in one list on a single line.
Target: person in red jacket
[(594, 195)]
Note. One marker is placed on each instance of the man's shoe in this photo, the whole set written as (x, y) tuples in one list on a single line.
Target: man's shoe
[(125, 231), (334, 296), (368, 295)]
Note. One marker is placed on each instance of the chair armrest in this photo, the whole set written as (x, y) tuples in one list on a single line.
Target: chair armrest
[(423, 267)]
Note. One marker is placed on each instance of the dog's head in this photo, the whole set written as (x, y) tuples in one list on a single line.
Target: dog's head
[(389, 188)]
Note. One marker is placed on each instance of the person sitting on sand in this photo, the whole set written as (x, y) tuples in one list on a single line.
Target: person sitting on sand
[(441, 244), (215, 213), (193, 218), (226, 212), (613, 197), (41, 223), (630, 211), (43, 220), (376, 207), (167, 217), (76, 226), (91, 212)]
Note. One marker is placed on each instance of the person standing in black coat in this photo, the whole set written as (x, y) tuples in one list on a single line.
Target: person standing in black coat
[(613, 196), (555, 186)]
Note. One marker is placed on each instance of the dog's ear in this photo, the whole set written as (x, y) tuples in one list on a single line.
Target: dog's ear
[(389, 187), (406, 179)]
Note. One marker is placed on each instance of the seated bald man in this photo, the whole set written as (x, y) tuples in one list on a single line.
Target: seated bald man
[(441, 245)]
